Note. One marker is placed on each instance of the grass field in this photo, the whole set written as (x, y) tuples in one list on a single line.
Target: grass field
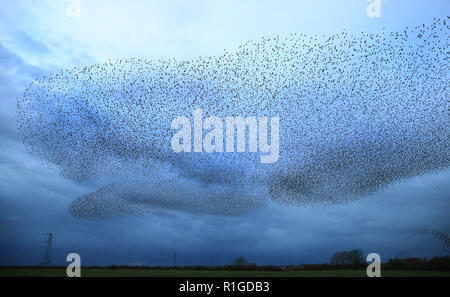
[(103, 272)]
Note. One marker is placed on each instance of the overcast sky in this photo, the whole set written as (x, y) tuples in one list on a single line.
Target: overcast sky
[(37, 37)]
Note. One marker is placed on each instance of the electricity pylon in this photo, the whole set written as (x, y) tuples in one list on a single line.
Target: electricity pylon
[(47, 257)]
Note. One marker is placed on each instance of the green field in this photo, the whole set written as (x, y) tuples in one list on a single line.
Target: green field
[(96, 272)]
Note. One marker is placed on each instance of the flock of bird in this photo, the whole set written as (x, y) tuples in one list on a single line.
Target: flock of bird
[(436, 234), (357, 113)]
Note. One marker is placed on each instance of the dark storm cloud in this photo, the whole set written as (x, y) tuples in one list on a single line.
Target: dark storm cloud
[(273, 235)]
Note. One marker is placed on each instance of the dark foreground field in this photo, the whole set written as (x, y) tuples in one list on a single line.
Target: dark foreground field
[(98, 272)]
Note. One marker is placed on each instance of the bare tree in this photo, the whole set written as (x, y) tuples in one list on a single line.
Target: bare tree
[(240, 261), (353, 257)]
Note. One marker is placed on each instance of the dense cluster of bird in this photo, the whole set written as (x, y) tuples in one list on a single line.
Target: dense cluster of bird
[(154, 195), (357, 112)]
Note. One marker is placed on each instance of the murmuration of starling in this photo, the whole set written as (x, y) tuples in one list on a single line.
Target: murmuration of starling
[(357, 112)]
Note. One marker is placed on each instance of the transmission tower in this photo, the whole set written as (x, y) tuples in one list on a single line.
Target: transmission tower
[(175, 259), (47, 257)]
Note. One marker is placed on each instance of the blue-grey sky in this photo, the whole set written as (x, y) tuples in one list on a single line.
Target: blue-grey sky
[(37, 37)]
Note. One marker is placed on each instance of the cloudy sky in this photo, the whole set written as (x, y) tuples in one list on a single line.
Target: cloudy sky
[(37, 37)]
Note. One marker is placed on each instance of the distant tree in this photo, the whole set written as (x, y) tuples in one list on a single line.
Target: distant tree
[(338, 258), (240, 261), (353, 257), (356, 257)]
